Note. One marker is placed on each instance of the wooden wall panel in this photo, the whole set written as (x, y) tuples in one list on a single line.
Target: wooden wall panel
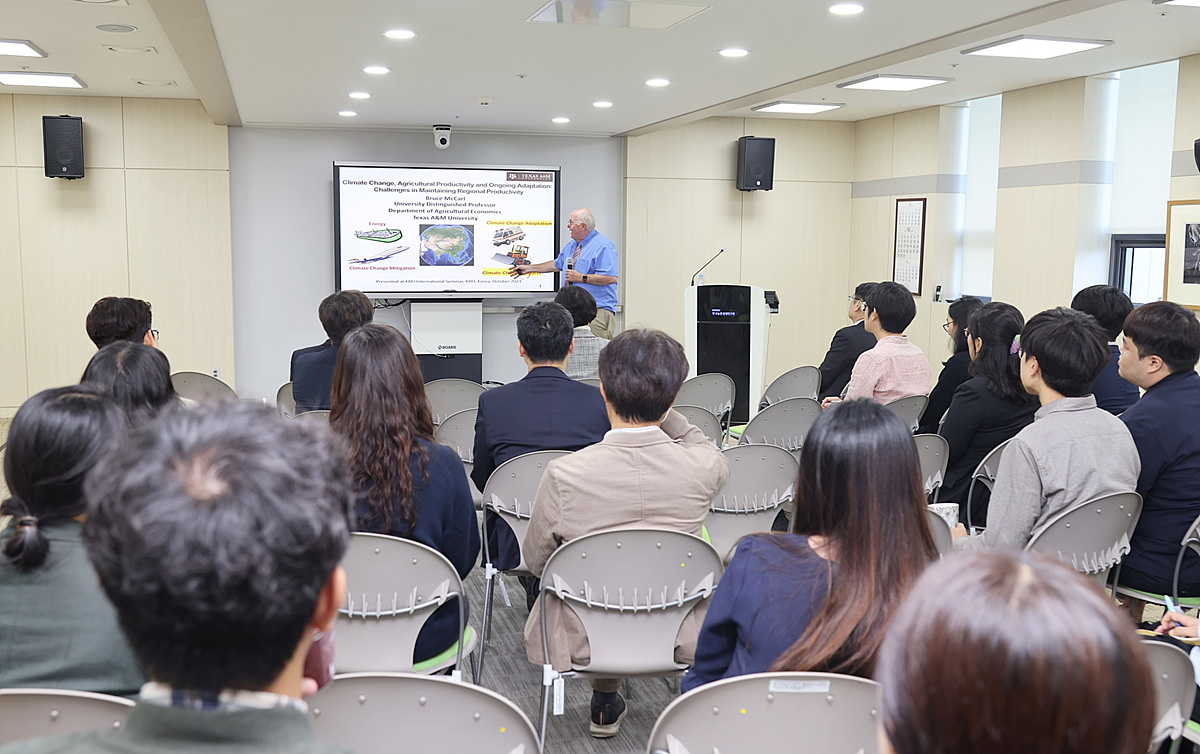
[(1026, 139), (808, 150), (915, 140), (175, 133), (103, 145), (1187, 104), (1035, 247), (8, 148), (704, 149), (179, 261), (873, 148), (72, 253), (871, 234), (13, 382)]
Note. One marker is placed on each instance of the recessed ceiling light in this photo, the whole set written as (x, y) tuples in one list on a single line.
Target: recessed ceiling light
[(1188, 3), (154, 82), (657, 82), (601, 103), (1035, 48), (846, 9), (798, 108), (360, 95), (21, 48), (893, 83), (27, 78), (347, 113), (375, 69), (399, 34), (561, 120), (129, 49), (117, 28), (734, 52)]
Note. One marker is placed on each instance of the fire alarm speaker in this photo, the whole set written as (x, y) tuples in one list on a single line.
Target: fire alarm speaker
[(756, 163), (62, 142)]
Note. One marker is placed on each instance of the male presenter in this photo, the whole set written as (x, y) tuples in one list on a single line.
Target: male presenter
[(588, 260)]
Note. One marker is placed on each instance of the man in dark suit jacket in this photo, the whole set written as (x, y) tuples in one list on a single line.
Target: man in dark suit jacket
[(848, 344), (546, 410), (1110, 306), (312, 368)]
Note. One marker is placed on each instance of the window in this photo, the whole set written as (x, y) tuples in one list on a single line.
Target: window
[(1138, 265)]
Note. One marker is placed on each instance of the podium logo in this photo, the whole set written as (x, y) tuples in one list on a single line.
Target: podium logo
[(447, 347)]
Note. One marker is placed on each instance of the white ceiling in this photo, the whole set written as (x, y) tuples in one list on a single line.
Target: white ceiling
[(294, 62)]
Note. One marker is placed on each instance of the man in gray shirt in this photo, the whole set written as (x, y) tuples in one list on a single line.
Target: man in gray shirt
[(1074, 451)]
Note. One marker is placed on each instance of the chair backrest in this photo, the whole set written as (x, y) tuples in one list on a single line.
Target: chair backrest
[(705, 420), (1174, 688), (593, 381), (1091, 537), (942, 537), (784, 424), (431, 713), (510, 491), (762, 479), (772, 713), (631, 588), (714, 391), (801, 382), (320, 415), (934, 454), (28, 713), (392, 586), (985, 472), (910, 409), (285, 402), (448, 397), (458, 432), (197, 386)]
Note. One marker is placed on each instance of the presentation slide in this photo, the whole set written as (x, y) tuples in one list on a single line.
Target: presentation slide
[(425, 231)]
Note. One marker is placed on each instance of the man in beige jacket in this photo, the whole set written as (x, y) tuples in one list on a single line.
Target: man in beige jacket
[(653, 469)]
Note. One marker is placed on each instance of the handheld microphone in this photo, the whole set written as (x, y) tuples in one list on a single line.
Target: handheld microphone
[(719, 253), (570, 263)]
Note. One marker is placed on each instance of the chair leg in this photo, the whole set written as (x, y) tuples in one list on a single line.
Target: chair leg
[(485, 633), (548, 675)]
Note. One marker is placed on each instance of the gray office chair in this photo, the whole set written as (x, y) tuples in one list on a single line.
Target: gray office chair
[(705, 421), (367, 712), (393, 586), (910, 409), (714, 391), (942, 537), (1093, 536), (784, 424), (801, 382), (457, 432), (29, 713), (1191, 540), (772, 713), (593, 381), (985, 474), (631, 589), (285, 402), (321, 416), (197, 386), (761, 482), (508, 495), (448, 397), (1174, 691), (934, 454)]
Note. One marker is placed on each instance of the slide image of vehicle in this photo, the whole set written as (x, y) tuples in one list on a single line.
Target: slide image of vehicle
[(380, 258), (385, 235), (447, 245), (507, 235), (519, 255)]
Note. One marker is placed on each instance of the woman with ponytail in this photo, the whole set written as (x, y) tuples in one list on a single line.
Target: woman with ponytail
[(57, 630)]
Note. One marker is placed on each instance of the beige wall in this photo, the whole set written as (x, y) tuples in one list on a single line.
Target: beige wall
[(1185, 179), (150, 219)]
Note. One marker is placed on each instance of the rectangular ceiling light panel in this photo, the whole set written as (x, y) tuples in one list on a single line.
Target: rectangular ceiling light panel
[(1036, 48), (894, 83), (28, 78), (1189, 3), (21, 48), (798, 108), (623, 13)]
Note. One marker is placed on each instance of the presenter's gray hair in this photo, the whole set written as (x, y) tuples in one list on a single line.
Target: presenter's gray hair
[(586, 217)]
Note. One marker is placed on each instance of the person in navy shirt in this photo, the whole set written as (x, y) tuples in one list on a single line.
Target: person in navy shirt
[(1110, 306), (1159, 354), (312, 368), (589, 260)]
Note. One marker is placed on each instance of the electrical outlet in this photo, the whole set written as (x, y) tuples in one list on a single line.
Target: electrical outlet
[(216, 372)]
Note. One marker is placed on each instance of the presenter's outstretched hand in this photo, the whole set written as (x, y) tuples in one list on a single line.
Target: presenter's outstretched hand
[(515, 271)]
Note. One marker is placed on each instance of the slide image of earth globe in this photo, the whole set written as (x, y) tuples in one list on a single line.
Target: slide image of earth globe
[(447, 245)]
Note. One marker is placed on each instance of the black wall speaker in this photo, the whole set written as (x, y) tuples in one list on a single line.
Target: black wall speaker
[(62, 143), (756, 163), (1196, 153)]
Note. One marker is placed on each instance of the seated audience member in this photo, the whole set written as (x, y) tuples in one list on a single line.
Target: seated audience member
[(653, 469), (581, 364), (116, 318), (406, 484), (847, 345), (1110, 306), (996, 653), (956, 369), (220, 553), (1159, 355), (1073, 451), (987, 409), (56, 628), (137, 376), (861, 538), (312, 368), (895, 368)]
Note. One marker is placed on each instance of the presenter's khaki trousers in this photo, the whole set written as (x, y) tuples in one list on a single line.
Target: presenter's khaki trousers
[(604, 325)]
